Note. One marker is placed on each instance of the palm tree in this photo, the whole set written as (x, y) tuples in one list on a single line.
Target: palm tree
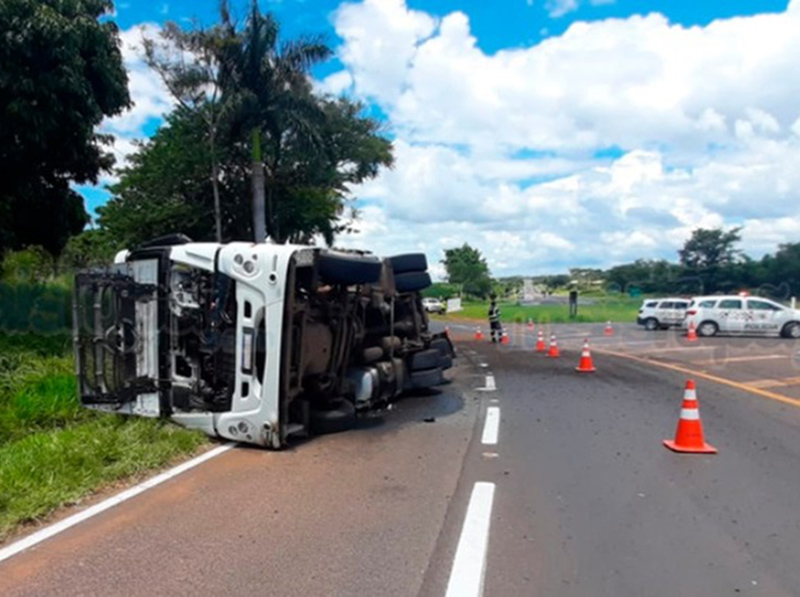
[(269, 86)]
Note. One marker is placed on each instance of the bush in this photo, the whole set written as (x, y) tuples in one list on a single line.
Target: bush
[(35, 307)]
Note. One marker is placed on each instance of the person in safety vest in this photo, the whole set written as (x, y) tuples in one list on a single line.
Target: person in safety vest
[(494, 321)]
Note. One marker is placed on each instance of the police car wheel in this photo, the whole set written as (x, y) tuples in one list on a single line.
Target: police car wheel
[(708, 329), (791, 330), (651, 324)]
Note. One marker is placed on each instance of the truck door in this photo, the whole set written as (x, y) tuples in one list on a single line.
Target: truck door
[(116, 338)]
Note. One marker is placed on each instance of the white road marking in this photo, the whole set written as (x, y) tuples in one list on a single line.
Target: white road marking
[(492, 426), (469, 565), (490, 386), (63, 525), (677, 349), (723, 360)]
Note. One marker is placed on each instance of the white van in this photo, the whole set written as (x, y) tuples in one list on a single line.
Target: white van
[(738, 314), (661, 313)]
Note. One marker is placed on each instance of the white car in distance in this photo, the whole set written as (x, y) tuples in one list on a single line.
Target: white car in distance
[(738, 314), (661, 313), (433, 305)]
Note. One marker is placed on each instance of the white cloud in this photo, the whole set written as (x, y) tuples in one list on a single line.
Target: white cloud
[(558, 8), (498, 149)]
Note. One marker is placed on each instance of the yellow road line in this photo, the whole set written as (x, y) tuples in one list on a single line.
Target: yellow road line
[(774, 383), (709, 377)]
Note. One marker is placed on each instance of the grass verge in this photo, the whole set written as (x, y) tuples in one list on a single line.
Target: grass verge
[(616, 310), (54, 452)]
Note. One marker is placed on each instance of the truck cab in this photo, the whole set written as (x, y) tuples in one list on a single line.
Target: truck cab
[(253, 342)]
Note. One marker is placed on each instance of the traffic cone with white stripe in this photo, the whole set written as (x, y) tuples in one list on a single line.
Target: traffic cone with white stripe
[(540, 347), (553, 350), (585, 365), (691, 334), (609, 331), (504, 340), (478, 334), (689, 434)]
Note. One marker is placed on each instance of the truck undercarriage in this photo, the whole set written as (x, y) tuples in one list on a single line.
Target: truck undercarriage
[(254, 343)]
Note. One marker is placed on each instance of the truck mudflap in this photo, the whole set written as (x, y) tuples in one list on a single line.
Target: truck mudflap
[(116, 337)]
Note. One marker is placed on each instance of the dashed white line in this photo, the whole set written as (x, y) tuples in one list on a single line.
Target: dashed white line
[(469, 564), (491, 426), (63, 525)]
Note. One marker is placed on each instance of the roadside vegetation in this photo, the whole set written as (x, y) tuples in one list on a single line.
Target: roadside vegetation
[(54, 452), (612, 309)]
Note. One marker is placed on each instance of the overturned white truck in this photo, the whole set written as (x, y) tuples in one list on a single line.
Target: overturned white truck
[(253, 342)]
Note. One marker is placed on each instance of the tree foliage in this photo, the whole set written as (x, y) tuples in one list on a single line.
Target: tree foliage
[(61, 73), (710, 248), (467, 267), (311, 149)]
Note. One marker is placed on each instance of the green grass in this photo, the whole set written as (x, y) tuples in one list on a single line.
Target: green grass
[(616, 310), (52, 450)]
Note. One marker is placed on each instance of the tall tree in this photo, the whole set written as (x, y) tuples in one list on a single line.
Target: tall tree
[(188, 63), (710, 254), (61, 73), (710, 248), (467, 267), (268, 81), (165, 187)]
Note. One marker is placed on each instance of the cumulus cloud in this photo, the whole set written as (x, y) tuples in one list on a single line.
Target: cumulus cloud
[(151, 100), (506, 150)]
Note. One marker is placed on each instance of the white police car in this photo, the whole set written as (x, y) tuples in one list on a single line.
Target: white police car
[(738, 314), (661, 313)]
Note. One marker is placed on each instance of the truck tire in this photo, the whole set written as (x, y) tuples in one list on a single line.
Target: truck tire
[(427, 378), (425, 359), (391, 344), (443, 346), (410, 262), (343, 268), (372, 354), (412, 281), (334, 420)]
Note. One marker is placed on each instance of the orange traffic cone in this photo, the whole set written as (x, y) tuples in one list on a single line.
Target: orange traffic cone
[(609, 331), (586, 365), (689, 435), (540, 347), (553, 351), (478, 333), (504, 338), (691, 335)]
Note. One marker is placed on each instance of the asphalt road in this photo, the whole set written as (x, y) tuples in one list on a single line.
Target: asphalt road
[(586, 500)]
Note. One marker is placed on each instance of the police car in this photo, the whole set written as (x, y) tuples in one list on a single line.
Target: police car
[(662, 313), (738, 314)]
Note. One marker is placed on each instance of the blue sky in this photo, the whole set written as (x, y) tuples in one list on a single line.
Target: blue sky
[(549, 133)]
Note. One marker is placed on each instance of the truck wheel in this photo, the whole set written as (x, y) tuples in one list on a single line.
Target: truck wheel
[(425, 359), (410, 262), (341, 418), (443, 346), (412, 281), (342, 268), (427, 378), (372, 354)]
